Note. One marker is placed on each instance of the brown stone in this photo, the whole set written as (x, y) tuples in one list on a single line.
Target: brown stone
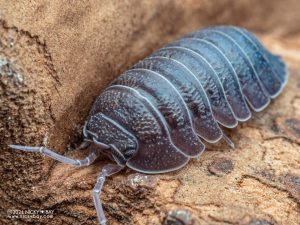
[(221, 166), (56, 57)]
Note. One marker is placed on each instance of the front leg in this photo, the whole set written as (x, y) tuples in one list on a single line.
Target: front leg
[(74, 162), (107, 170)]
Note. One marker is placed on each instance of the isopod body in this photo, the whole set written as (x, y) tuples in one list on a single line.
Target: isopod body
[(165, 104), (156, 116)]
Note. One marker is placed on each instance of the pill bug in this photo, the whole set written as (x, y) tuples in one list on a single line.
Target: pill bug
[(154, 117)]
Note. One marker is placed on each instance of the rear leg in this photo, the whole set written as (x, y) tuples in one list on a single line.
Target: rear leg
[(74, 162), (228, 141)]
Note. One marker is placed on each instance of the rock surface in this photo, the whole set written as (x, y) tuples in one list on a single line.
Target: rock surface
[(55, 58)]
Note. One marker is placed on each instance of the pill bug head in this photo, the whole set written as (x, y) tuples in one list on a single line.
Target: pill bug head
[(110, 137)]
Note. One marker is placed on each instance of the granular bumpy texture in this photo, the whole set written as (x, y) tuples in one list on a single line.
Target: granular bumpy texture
[(56, 57)]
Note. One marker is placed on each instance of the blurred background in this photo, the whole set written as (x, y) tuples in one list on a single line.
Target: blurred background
[(55, 58)]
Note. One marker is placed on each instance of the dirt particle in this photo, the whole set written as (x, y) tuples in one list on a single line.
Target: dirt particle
[(136, 180), (9, 69), (179, 217), (289, 127), (294, 125), (292, 184), (259, 222), (221, 166)]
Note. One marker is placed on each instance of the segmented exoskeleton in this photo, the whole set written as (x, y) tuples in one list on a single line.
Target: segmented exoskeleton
[(154, 117)]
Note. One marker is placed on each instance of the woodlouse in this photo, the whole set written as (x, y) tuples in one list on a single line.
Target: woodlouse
[(153, 116)]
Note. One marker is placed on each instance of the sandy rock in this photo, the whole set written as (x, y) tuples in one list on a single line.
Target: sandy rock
[(56, 57)]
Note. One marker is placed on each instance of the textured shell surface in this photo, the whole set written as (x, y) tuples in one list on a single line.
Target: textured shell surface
[(168, 104)]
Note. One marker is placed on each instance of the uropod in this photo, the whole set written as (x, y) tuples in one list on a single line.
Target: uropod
[(155, 116)]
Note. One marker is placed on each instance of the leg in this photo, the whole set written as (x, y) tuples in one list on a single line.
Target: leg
[(107, 170), (75, 162), (228, 141), (85, 144)]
